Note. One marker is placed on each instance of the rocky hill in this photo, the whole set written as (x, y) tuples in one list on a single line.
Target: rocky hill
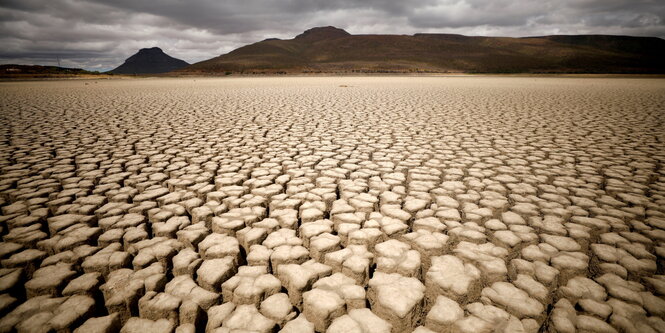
[(329, 49), (149, 61)]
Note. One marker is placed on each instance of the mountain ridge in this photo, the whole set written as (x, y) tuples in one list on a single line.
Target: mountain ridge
[(149, 61), (330, 49)]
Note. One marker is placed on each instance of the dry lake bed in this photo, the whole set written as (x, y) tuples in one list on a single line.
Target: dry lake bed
[(339, 204)]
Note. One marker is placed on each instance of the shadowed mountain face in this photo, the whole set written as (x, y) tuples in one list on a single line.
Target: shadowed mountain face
[(329, 49), (149, 61)]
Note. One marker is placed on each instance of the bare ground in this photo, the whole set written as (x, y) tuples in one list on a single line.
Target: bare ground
[(339, 204)]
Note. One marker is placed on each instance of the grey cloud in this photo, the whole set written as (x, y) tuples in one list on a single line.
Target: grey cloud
[(467, 13), (100, 34)]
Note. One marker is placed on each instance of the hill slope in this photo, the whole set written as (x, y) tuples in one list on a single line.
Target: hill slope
[(328, 49), (149, 61)]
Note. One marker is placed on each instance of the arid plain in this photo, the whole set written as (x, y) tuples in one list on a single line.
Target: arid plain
[(333, 204)]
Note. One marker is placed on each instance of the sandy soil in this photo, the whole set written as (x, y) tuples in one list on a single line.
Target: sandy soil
[(343, 204)]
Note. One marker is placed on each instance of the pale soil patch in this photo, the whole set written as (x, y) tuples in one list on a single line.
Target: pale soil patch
[(348, 204)]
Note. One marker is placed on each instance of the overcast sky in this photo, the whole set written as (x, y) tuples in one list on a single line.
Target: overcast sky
[(100, 34)]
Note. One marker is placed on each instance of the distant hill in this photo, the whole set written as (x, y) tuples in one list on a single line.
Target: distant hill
[(27, 71), (329, 49), (11, 69), (149, 61)]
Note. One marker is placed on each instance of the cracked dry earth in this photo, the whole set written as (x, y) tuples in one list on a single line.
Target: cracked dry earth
[(424, 204)]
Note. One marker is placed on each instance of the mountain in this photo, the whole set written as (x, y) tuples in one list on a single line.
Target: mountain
[(149, 61), (329, 49), (37, 71)]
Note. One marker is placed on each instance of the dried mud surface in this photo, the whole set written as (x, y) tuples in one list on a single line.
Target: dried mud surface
[(438, 204)]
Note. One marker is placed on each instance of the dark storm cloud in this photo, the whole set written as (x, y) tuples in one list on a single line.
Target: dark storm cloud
[(100, 34)]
